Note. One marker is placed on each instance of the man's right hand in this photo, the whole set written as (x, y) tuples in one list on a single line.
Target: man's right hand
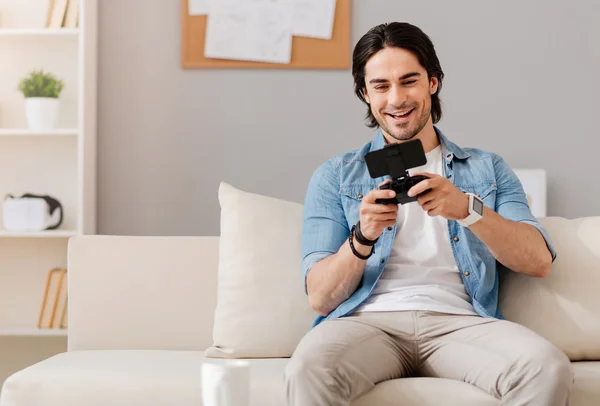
[(375, 217)]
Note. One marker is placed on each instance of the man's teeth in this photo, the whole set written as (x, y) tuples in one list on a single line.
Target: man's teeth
[(402, 114)]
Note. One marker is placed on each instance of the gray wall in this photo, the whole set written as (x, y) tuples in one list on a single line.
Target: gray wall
[(520, 81)]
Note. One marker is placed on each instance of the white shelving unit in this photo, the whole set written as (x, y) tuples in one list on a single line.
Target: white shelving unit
[(60, 162), (21, 132), (42, 32), (40, 234), (32, 332)]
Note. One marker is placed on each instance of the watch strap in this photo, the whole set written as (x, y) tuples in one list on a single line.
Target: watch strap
[(473, 216)]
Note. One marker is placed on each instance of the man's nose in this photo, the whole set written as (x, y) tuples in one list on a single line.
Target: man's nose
[(397, 96)]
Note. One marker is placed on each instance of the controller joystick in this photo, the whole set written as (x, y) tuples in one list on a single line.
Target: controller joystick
[(401, 187)]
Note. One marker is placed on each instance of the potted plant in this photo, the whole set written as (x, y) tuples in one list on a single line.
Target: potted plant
[(41, 91)]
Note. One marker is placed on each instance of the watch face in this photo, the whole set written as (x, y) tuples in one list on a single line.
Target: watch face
[(478, 206)]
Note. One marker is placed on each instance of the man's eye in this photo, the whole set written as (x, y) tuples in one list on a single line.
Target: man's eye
[(380, 87), (410, 82)]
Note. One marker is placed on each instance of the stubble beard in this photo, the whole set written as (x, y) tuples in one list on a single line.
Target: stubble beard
[(405, 134)]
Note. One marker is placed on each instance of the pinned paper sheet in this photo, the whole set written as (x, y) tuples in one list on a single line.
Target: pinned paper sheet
[(313, 18), (251, 30), (198, 7)]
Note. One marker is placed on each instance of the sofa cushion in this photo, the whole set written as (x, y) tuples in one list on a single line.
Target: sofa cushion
[(130, 378), (564, 307), (586, 389), (425, 392), (261, 310), (165, 378), (162, 290)]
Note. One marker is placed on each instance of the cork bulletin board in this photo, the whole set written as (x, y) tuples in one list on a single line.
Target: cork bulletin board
[(307, 53)]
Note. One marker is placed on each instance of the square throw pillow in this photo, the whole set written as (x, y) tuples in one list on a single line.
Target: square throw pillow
[(262, 310)]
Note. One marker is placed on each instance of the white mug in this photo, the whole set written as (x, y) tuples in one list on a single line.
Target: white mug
[(225, 382)]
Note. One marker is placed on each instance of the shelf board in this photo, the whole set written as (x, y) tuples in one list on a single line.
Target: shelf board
[(39, 32), (36, 234), (33, 332), (24, 132)]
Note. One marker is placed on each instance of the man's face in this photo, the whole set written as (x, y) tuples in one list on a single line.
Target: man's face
[(398, 92)]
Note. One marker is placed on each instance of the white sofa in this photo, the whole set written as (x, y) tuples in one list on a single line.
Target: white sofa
[(142, 310)]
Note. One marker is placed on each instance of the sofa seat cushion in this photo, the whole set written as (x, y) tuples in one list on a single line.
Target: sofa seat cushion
[(425, 392), (166, 378), (161, 378), (129, 378), (586, 391)]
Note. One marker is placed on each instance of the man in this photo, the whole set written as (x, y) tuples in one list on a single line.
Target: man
[(412, 289)]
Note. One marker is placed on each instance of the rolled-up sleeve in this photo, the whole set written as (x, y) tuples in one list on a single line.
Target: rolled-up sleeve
[(511, 200), (324, 227)]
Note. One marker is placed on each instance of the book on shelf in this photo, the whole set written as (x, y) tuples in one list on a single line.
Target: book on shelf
[(72, 15), (54, 310), (62, 14)]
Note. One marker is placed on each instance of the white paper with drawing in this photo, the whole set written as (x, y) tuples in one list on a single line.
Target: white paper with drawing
[(314, 18), (197, 7), (251, 30)]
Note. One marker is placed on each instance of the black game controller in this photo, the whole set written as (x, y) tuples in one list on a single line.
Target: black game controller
[(395, 160), (401, 187)]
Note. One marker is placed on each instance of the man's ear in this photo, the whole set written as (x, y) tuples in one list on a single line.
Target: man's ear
[(433, 85), (365, 95)]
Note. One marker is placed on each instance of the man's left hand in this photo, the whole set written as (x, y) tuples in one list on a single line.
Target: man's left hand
[(444, 199)]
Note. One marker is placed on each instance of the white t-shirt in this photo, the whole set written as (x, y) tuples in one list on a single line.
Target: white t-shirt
[(421, 272)]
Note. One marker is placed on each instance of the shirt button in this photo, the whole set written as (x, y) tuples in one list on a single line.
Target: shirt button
[(382, 260), (360, 196), (456, 239), (467, 273), (390, 228)]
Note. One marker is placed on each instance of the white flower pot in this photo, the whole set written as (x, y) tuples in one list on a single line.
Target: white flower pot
[(42, 112)]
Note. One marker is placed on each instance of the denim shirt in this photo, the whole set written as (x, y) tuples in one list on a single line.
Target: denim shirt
[(332, 203)]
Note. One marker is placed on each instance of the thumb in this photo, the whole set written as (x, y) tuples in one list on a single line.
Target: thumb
[(426, 174)]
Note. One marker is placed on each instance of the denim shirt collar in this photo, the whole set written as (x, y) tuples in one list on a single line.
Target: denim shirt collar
[(449, 149)]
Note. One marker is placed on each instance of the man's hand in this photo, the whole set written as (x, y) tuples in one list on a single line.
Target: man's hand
[(374, 217), (444, 199)]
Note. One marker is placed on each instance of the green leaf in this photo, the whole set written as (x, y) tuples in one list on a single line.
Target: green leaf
[(40, 84)]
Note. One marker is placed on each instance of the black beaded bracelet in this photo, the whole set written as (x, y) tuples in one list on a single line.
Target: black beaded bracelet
[(361, 238), (354, 251)]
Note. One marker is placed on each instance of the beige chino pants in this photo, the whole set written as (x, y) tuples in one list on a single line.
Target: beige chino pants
[(341, 359)]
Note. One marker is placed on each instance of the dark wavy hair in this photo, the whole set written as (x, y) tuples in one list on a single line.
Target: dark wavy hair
[(402, 35)]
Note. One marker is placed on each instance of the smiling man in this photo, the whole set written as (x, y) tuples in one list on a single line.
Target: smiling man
[(412, 289)]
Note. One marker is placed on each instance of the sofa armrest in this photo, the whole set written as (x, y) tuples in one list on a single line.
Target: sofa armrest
[(141, 292)]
